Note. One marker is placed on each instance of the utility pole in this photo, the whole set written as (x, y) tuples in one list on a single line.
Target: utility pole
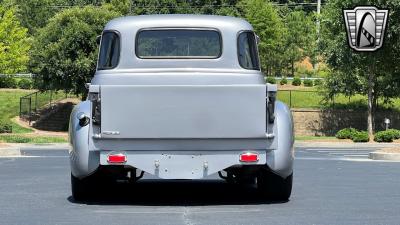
[(318, 31)]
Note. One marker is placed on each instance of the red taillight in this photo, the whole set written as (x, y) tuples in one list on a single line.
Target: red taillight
[(248, 157), (116, 158)]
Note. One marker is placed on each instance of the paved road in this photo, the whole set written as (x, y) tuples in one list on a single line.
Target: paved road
[(331, 186)]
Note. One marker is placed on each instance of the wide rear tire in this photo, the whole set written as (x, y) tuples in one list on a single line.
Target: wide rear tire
[(274, 187), (82, 189)]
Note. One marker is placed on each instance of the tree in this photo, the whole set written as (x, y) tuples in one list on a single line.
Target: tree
[(65, 50), (14, 43), (269, 27), (299, 38), (376, 73)]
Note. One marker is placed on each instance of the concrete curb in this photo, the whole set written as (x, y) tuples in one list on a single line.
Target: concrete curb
[(384, 156), (345, 144), (9, 151)]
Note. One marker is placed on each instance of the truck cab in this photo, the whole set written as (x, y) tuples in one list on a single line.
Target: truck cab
[(181, 97)]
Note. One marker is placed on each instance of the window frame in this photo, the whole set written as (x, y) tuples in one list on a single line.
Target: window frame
[(119, 49), (257, 67), (179, 28)]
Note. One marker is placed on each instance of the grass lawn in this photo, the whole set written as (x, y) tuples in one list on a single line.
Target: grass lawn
[(9, 107), (311, 99), (20, 138)]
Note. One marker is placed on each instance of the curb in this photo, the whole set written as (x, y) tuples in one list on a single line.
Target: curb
[(6, 152), (345, 144), (384, 156)]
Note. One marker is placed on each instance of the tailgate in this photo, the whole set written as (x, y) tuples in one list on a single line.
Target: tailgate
[(183, 111)]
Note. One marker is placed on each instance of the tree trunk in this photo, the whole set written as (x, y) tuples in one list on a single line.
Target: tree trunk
[(292, 68), (371, 84)]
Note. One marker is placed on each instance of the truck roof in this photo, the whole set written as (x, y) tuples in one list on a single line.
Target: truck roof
[(178, 20)]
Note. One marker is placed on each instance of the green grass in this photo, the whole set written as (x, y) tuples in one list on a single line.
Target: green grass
[(9, 107), (314, 100), (306, 138), (31, 139)]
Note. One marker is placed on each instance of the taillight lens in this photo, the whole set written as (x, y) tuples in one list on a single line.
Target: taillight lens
[(116, 158), (249, 157)]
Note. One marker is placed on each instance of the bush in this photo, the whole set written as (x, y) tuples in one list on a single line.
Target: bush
[(25, 83), (360, 136), (283, 81), (318, 82), (8, 82), (5, 128), (387, 135), (271, 80), (296, 81), (308, 83), (346, 133)]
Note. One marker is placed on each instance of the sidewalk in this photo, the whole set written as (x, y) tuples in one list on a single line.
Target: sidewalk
[(14, 149), (335, 144)]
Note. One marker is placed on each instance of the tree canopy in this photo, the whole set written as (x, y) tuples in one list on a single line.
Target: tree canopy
[(65, 50), (14, 43)]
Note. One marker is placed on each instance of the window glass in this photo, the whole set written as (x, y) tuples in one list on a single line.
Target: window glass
[(247, 51), (178, 43), (109, 51)]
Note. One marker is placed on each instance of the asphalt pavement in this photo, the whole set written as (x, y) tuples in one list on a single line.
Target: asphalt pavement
[(331, 186)]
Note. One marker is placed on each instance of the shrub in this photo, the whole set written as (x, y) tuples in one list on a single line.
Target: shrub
[(296, 81), (346, 133), (25, 83), (271, 80), (5, 128), (283, 81), (8, 82), (318, 82), (387, 135), (360, 136), (308, 83)]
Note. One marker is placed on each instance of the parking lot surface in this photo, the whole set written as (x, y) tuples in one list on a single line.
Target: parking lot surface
[(331, 186)]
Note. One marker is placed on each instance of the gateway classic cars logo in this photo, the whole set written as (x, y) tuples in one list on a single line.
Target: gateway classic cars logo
[(365, 27)]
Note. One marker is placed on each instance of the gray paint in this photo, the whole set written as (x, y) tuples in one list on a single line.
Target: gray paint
[(210, 108)]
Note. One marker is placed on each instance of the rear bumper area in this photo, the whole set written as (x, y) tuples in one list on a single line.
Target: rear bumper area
[(182, 165)]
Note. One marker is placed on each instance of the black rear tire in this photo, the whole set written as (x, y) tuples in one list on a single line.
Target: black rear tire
[(82, 189), (274, 187)]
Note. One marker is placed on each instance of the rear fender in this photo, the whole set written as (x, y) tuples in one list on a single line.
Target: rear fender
[(83, 161), (280, 160)]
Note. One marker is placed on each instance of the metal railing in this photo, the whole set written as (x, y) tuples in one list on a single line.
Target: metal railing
[(30, 104), (299, 98)]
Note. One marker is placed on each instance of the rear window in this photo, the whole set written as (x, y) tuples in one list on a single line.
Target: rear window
[(247, 51), (178, 43), (109, 51)]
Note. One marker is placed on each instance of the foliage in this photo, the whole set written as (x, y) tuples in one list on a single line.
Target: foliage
[(374, 73), (308, 83), (5, 127), (8, 81), (65, 50), (283, 81), (270, 28), (296, 81), (271, 80), (318, 82), (300, 36), (14, 43), (346, 133), (387, 135), (360, 136), (25, 83)]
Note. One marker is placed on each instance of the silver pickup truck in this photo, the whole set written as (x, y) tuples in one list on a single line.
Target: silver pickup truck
[(181, 97)]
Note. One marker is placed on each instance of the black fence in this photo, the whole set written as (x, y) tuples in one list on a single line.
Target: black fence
[(30, 104)]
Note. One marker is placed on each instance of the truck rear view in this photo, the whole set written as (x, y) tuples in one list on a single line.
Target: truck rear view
[(181, 97)]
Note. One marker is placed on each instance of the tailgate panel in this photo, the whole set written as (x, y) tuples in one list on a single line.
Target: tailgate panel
[(183, 111)]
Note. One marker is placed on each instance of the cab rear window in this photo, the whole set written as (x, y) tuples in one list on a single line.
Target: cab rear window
[(109, 51), (178, 43)]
